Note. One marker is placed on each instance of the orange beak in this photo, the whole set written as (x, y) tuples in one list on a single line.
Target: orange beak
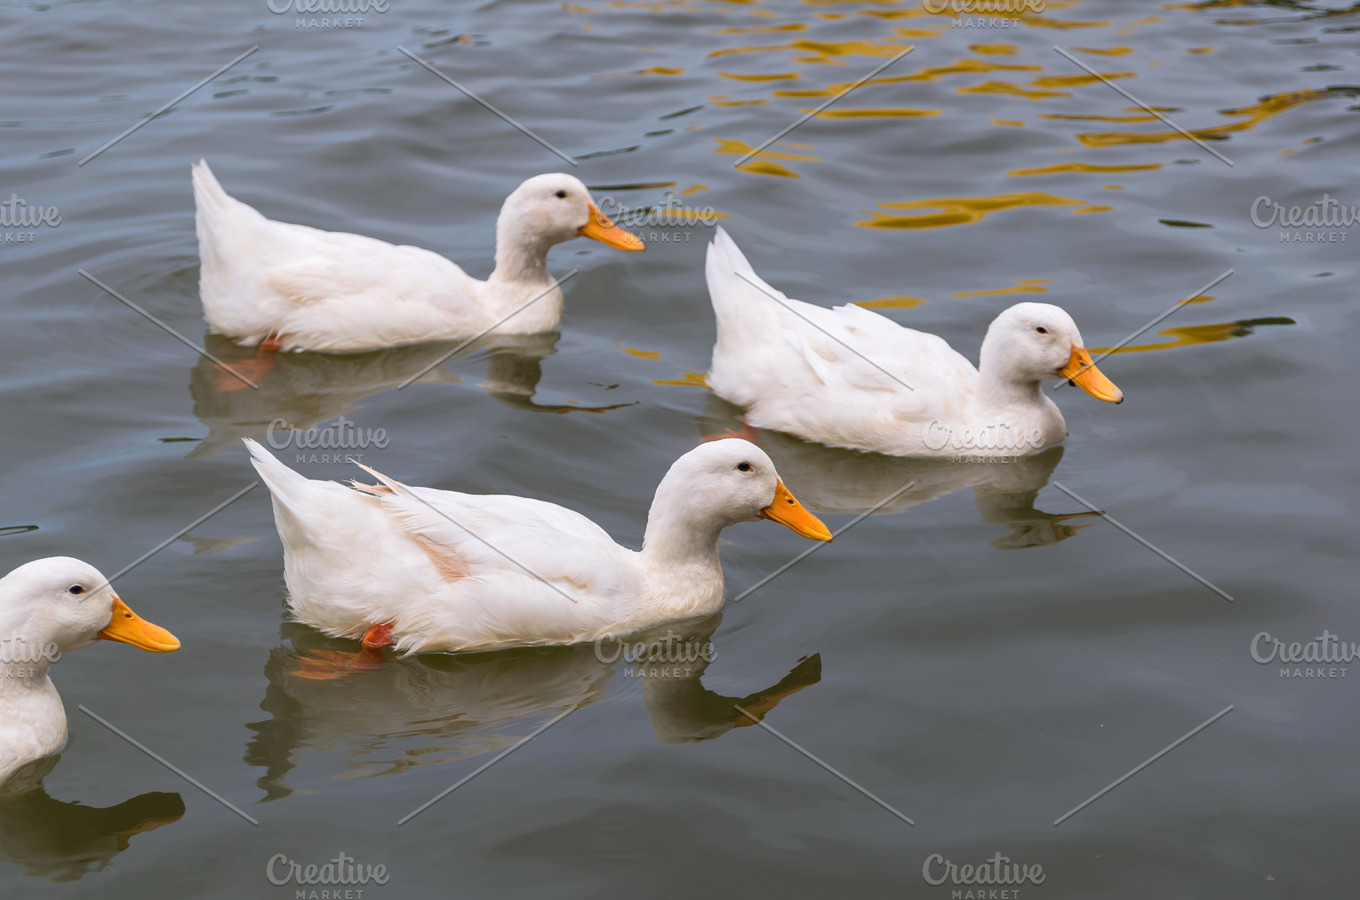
[(787, 511), (1081, 370), (606, 232), (126, 627)]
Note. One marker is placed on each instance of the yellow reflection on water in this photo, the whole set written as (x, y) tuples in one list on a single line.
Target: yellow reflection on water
[(760, 29), (640, 354), (892, 303), (964, 210), (1141, 117), (826, 52), (763, 162), (689, 379), (1060, 168), (1191, 335), (904, 111), (773, 76), (965, 66), (1253, 115), (1108, 51), (1013, 90), (1081, 80), (1022, 286)]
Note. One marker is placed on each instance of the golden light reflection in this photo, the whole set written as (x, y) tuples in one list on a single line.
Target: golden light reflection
[(995, 49), (1081, 80), (639, 354), (965, 66), (964, 210), (1192, 335), (761, 29), (774, 76), (1108, 51), (689, 379), (721, 100), (902, 112), (1143, 117), (741, 148), (1009, 89), (892, 303), (1022, 286), (1253, 115), (824, 52), (1061, 168)]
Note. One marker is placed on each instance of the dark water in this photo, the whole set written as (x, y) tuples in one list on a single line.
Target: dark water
[(973, 656)]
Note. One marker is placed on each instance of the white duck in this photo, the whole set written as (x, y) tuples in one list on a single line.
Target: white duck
[(849, 377), (47, 608), (299, 288), (426, 569)]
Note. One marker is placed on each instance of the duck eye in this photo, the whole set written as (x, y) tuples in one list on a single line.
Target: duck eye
[(562, 195), (743, 467), (1042, 330), (75, 589)]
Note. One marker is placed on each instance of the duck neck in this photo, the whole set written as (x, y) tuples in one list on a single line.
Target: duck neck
[(1001, 391), (1001, 385), (520, 286), (680, 561)]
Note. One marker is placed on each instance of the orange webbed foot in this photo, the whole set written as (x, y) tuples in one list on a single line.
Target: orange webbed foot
[(252, 369), (332, 665)]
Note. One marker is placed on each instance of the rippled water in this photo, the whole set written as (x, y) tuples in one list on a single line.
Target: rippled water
[(978, 655)]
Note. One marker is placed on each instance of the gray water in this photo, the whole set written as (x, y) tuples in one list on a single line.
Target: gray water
[(973, 655)]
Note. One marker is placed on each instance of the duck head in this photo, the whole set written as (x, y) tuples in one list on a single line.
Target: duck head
[(1033, 342), (724, 482), (550, 209), (64, 604)]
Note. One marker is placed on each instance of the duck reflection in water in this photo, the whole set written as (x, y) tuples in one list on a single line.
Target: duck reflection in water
[(305, 389), (834, 480), (384, 714), (61, 840)]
